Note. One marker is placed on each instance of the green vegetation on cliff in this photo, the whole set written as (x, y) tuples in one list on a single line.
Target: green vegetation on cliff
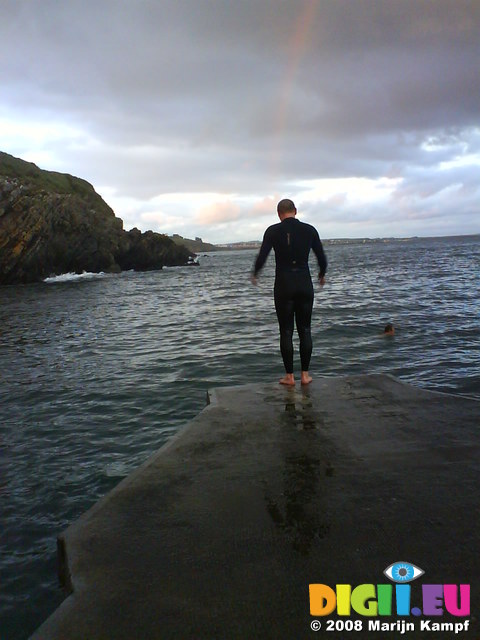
[(49, 181)]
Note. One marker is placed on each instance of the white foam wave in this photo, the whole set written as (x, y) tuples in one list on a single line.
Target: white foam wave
[(72, 277)]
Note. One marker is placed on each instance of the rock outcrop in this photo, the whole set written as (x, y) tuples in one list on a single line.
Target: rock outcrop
[(53, 223), (196, 246)]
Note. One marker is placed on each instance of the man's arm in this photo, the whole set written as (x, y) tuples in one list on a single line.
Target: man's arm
[(321, 257), (262, 255)]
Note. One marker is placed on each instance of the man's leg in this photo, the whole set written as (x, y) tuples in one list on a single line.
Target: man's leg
[(284, 307), (303, 318)]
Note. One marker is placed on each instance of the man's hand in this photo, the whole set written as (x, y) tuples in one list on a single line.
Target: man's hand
[(321, 280), (253, 280)]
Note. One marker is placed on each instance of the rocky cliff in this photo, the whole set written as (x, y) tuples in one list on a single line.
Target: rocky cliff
[(53, 223)]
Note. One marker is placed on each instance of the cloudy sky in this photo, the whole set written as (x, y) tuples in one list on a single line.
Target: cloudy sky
[(197, 116)]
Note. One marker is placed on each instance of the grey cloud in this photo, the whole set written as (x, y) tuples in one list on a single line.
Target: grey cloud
[(368, 63), (249, 97)]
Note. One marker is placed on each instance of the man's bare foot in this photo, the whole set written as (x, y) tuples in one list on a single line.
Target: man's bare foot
[(306, 379), (289, 380)]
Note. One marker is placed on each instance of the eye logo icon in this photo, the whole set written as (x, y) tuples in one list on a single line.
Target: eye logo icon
[(403, 572)]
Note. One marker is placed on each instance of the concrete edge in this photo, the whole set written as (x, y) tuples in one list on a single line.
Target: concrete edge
[(63, 565), (213, 394), (450, 394), (212, 397)]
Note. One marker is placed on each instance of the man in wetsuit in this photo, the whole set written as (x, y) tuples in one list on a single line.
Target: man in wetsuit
[(293, 291)]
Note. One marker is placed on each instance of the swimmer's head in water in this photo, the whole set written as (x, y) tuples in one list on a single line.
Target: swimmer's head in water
[(389, 328), (286, 206)]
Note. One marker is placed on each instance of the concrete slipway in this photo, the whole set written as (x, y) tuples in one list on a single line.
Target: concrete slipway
[(268, 489)]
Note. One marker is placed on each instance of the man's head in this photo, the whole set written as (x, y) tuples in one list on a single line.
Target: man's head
[(286, 209)]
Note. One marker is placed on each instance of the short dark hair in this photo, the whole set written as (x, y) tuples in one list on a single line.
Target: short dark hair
[(285, 206), (388, 327)]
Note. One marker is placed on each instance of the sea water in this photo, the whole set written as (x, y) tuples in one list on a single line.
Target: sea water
[(98, 371)]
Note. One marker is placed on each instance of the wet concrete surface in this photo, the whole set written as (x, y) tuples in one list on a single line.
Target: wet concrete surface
[(268, 490)]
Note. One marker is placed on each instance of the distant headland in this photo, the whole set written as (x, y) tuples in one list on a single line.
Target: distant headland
[(53, 223), (198, 245)]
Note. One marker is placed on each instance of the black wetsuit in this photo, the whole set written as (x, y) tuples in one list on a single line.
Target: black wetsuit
[(293, 291)]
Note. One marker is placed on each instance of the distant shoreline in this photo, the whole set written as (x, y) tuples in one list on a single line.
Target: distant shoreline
[(255, 244)]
